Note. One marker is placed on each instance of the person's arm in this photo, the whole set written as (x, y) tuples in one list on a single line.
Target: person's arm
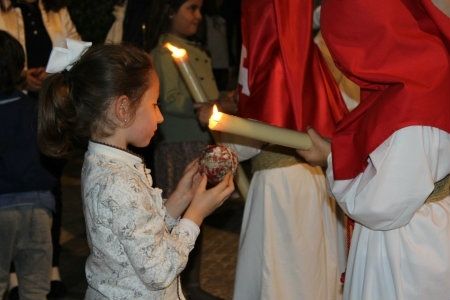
[(399, 177), (115, 33), (69, 27)]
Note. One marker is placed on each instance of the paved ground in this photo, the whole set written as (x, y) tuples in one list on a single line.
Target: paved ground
[(221, 233)]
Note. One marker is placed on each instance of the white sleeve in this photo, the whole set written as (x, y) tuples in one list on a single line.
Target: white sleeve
[(244, 152), (399, 177), (245, 148)]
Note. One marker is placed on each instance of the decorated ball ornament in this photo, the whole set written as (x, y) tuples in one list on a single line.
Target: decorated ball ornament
[(216, 161)]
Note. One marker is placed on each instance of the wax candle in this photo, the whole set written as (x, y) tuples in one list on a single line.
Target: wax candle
[(259, 131), (241, 181), (181, 59)]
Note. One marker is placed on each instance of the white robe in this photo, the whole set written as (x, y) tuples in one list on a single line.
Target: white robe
[(288, 238), (401, 246)]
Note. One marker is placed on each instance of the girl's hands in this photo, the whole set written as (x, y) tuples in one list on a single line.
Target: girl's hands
[(319, 151), (185, 190), (206, 201)]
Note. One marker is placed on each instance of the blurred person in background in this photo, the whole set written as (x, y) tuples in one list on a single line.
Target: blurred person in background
[(26, 184), (40, 25), (184, 133)]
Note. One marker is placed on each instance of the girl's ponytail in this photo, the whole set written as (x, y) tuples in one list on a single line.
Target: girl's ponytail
[(75, 105), (56, 116)]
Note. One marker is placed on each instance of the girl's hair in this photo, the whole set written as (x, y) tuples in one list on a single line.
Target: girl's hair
[(49, 5), (160, 16), (12, 60), (75, 104)]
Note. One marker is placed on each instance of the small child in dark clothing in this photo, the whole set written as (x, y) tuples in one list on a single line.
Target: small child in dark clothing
[(26, 201)]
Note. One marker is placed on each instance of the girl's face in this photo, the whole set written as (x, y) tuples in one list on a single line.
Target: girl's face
[(147, 116), (186, 20)]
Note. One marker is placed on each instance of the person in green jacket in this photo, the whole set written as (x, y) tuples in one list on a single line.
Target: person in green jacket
[(184, 134)]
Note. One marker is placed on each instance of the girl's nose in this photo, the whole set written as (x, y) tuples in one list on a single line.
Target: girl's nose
[(198, 14), (160, 117)]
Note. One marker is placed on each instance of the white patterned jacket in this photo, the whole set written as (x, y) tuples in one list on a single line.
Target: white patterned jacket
[(137, 249)]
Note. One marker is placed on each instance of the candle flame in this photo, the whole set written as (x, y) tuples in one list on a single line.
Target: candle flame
[(215, 118), (176, 52), (216, 115)]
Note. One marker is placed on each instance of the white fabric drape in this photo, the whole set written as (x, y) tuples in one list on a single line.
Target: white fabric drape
[(400, 247)]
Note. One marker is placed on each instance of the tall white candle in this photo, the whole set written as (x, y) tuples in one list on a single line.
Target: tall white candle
[(181, 59), (259, 131)]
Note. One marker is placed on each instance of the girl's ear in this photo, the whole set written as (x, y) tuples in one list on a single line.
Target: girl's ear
[(122, 109)]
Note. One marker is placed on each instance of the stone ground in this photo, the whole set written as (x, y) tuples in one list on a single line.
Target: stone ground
[(221, 234)]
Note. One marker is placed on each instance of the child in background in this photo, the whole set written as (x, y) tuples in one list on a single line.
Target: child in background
[(40, 25), (138, 243), (26, 200), (184, 133)]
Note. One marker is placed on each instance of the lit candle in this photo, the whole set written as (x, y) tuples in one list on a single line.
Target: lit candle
[(181, 59), (258, 131)]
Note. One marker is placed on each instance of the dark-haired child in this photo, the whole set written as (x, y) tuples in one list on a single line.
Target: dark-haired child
[(138, 243), (26, 201)]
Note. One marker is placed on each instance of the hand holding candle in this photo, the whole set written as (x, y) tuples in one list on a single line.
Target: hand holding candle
[(317, 155), (259, 131)]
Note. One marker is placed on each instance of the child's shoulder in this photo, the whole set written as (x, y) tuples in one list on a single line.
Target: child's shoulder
[(113, 175), (102, 167), (16, 98), (17, 108)]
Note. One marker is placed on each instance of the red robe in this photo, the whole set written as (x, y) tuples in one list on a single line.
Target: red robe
[(398, 53), (288, 83)]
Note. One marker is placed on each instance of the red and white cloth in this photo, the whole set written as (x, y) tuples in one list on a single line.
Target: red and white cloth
[(398, 53), (284, 80), (388, 153), (287, 246)]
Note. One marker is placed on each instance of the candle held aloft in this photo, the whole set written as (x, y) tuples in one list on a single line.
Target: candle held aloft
[(258, 131), (181, 59)]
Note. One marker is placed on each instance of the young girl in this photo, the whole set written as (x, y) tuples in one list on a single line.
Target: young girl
[(138, 243)]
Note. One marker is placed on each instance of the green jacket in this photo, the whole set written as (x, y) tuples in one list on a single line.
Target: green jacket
[(180, 121)]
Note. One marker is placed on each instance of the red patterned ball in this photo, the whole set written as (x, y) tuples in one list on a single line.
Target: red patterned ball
[(216, 161)]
